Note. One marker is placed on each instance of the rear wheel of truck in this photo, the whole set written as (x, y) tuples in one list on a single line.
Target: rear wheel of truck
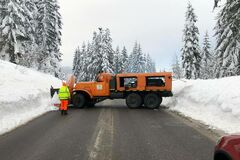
[(152, 101), (79, 100), (134, 100)]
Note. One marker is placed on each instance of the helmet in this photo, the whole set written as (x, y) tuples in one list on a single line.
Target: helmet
[(64, 83)]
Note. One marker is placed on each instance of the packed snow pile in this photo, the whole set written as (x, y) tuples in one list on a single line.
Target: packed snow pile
[(24, 95), (216, 102)]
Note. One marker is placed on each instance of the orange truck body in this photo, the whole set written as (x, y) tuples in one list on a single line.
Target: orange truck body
[(136, 88), (101, 87)]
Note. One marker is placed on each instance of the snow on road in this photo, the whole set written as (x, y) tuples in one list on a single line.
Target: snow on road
[(24, 95), (215, 103)]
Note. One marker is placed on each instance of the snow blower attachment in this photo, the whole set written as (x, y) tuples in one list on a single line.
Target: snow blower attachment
[(53, 91)]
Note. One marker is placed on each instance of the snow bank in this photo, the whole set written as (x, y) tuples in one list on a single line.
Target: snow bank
[(24, 95), (214, 102)]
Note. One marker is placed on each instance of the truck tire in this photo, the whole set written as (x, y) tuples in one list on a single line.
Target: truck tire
[(134, 100), (152, 101), (79, 100)]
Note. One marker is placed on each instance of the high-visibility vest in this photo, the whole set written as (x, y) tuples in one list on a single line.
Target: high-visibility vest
[(64, 93)]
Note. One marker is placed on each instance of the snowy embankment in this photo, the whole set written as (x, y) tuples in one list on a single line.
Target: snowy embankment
[(215, 103), (24, 95)]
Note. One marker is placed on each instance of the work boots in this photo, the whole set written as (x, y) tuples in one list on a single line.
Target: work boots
[(64, 112)]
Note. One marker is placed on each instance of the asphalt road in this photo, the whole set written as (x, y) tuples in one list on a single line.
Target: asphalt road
[(109, 131)]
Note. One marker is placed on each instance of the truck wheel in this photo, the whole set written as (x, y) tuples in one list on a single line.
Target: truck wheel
[(79, 100), (152, 101), (134, 100)]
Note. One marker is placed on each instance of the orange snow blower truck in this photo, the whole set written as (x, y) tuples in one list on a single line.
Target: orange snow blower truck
[(138, 89)]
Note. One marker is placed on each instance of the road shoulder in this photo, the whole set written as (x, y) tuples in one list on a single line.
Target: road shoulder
[(212, 134)]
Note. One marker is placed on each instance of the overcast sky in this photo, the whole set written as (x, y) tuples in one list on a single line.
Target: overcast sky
[(156, 24)]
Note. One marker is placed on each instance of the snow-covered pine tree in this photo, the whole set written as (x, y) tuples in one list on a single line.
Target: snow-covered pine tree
[(150, 65), (133, 66), (216, 3), (137, 61), (207, 59), (141, 60), (29, 58), (191, 51), (228, 40), (176, 68), (15, 17), (87, 74), (76, 61), (117, 61), (123, 59), (101, 52), (153, 66), (107, 52), (48, 36), (95, 59), (129, 64), (145, 62), (82, 63), (96, 54), (99, 56)]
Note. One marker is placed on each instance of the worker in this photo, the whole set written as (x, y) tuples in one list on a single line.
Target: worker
[(64, 96)]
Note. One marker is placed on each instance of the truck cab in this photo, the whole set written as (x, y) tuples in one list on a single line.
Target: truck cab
[(98, 88)]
